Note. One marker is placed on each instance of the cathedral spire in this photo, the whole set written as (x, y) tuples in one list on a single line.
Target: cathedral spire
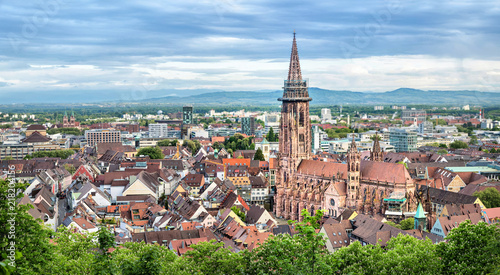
[(353, 148), (294, 73)]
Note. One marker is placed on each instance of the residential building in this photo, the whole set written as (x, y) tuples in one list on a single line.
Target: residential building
[(426, 127), (403, 140), (158, 130), (414, 116), (102, 136)]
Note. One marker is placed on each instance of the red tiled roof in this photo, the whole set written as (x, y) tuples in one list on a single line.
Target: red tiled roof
[(492, 213), (273, 163), (384, 172), (84, 223), (322, 169)]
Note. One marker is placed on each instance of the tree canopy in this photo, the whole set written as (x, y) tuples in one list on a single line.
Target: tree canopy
[(489, 196), (167, 142), (63, 154), (271, 136), (457, 144), (152, 152), (259, 155)]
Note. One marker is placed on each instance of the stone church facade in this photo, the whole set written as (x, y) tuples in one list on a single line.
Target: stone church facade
[(302, 183)]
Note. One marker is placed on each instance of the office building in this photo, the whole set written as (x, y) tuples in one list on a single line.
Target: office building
[(403, 140), (102, 136), (158, 130)]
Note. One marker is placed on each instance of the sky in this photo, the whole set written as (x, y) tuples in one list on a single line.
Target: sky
[(131, 50)]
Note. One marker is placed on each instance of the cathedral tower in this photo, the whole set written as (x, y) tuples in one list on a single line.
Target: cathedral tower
[(353, 175), (295, 126), (376, 153), (72, 119), (65, 119), (294, 136)]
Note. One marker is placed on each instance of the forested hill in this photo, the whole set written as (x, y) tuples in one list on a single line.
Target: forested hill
[(322, 97)]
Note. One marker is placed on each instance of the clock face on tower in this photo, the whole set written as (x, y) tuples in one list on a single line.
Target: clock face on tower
[(332, 202)]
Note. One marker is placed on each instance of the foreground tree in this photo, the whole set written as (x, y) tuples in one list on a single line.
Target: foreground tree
[(304, 253), (471, 249), (211, 258), (140, 258), (403, 254), (24, 241)]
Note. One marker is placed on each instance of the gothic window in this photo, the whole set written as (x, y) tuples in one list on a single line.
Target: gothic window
[(301, 137), (332, 202), (301, 117)]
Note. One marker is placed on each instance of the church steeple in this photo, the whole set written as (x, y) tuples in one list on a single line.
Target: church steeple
[(294, 73), (376, 153), (295, 88), (420, 220), (353, 148), (295, 131), (353, 175)]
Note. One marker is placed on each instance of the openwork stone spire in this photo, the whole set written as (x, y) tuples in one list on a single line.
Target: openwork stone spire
[(295, 88), (354, 148), (294, 73)]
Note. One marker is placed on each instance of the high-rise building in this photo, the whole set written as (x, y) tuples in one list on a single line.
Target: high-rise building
[(316, 141), (403, 140), (248, 125), (187, 115), (158, 130)]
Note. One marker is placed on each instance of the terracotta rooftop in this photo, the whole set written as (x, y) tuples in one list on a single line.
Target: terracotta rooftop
[(322, 169)]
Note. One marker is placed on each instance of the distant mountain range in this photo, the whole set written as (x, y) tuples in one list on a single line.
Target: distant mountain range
[(331, 97), (200, 97)]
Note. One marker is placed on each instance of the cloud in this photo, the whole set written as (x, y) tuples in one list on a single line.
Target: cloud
[(245, 45)]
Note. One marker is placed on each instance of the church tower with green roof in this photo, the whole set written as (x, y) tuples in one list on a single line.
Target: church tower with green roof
[(420, 218)]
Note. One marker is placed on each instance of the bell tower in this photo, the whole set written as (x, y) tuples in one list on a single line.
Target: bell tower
[(294, 136), (353, 174), (295, 126), (65, 119)]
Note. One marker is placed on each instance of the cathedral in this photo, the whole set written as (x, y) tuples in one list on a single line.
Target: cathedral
[(303, 183)]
